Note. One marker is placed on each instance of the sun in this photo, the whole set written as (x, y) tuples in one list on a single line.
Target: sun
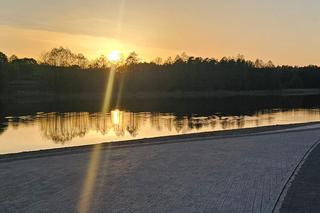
[(114, 56)]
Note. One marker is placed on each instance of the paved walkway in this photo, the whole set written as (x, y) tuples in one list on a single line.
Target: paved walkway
[(304, 192), (230, 174)]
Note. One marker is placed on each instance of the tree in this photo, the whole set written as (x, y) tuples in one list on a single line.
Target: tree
[(169, 60), (270, 64), (24, 61), (3, 63), (101, 62), (3, 58), (62, 57), (132, 58), (240, 58), (13, 58), (178, 59), (184, 57), (158, 61), (259, 63), (224, 60), (82, 61)]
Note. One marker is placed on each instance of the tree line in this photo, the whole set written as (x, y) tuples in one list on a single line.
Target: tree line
[(62, 71)]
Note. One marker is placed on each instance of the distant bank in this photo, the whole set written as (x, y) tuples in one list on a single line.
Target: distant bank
[(38, 96)]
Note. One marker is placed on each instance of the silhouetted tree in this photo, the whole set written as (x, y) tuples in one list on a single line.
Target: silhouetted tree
[(184, 57), (63, 57), (259, 63), (3, 64), (81, 61), (101, 62), (3, 58), (13, 58), (158, 61), (169, 60), (25, 61), (132, 58), (270, 64)]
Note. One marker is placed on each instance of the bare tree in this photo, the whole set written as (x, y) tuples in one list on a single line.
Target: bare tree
[(132, 58), (158, 61), (101, 62), (63, 57), (169, 60)]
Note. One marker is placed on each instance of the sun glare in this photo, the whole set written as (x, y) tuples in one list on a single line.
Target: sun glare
[(116, 117), (114, 56)]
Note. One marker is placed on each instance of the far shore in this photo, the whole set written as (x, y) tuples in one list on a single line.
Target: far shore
[(150, 141), (37, 96)]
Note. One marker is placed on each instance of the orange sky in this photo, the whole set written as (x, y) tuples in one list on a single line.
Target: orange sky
[(286, 31)]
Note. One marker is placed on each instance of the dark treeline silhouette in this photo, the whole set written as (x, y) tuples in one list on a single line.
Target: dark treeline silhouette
[(61, 71)]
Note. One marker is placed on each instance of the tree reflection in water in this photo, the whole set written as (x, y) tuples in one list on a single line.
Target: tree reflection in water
[(63, 127)]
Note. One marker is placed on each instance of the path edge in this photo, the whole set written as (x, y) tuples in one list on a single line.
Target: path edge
[(287, 185)]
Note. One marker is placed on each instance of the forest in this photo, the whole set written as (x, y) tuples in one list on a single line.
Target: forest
[(62, 71)]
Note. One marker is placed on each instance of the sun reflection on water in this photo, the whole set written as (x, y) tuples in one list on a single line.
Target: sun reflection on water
[(116, 117), (51, 130)]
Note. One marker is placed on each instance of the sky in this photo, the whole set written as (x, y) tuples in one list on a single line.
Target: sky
[(284, 31)]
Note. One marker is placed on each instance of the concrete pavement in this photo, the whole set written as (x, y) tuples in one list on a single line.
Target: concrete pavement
[(304, 191)]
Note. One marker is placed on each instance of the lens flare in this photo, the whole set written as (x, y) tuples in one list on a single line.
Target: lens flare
[(114, 56), (90, 180)]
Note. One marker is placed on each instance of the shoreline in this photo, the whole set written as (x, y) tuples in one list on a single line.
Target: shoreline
[(150, 141), (35, 97)]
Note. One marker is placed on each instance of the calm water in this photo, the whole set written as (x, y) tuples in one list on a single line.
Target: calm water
[(54, 130)]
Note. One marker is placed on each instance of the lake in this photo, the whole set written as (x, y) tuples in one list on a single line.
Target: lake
[(39, 126)]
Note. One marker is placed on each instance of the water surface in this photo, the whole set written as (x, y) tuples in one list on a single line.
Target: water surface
[(64, 129)]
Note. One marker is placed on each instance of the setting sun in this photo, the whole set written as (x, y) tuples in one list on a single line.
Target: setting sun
[(114, 56)]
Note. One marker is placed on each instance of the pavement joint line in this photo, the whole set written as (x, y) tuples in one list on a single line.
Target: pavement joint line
[(287, 185), (140, 143)]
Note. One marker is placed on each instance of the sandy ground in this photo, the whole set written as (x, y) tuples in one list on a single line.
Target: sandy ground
[(237, 171)]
